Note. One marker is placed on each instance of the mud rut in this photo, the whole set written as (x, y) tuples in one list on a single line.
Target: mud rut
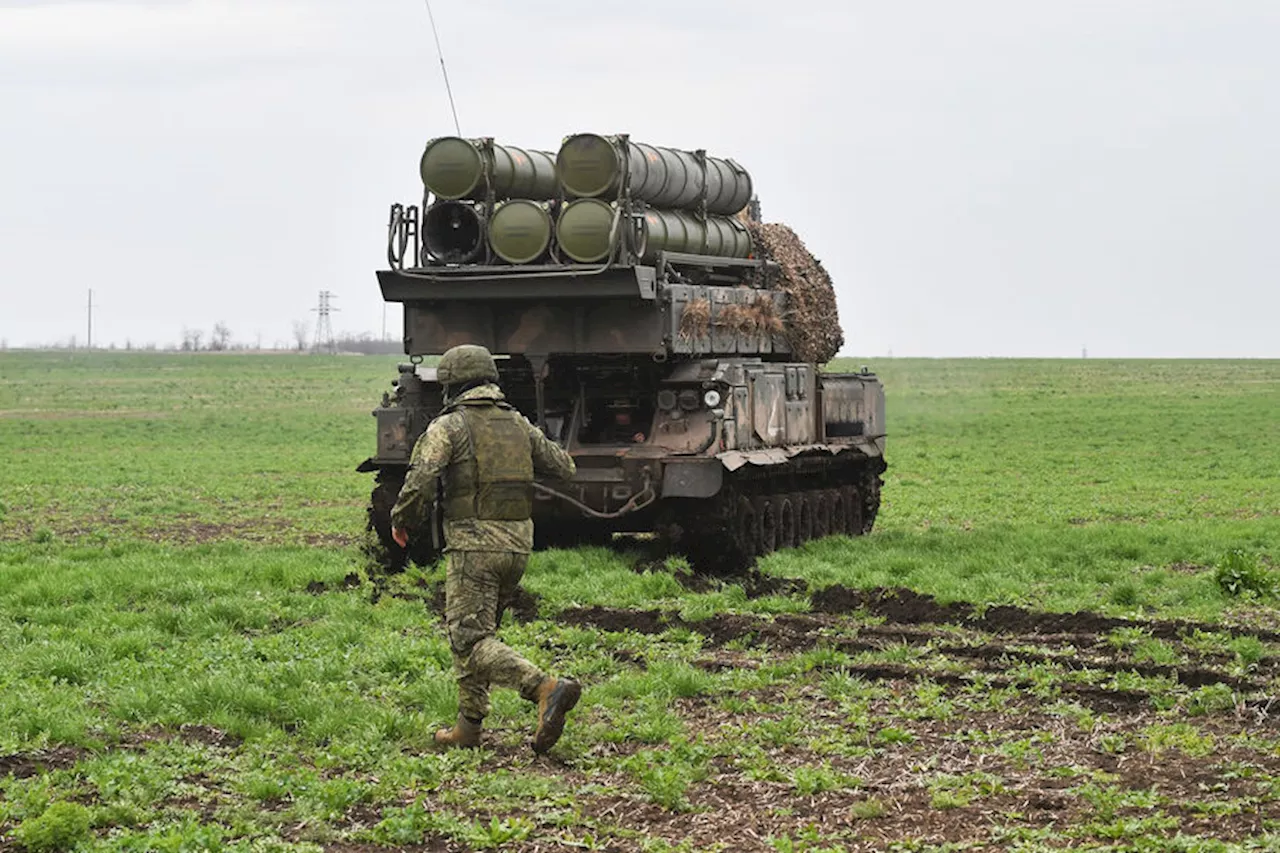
[(962, 652), (1073, 642)]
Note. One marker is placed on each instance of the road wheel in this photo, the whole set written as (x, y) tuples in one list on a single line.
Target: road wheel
[(839, 515), (382, 556), (852, 510), (871, 499), (748, 530), (786, 521), (821, 513), (766, 524), (804, 516)]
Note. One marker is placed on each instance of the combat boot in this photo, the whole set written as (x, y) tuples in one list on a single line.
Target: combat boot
[(464, 733), (555, 698)]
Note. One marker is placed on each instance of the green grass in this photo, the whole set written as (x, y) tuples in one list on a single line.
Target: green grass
[(162, 516), (977, 442), (252, 447)]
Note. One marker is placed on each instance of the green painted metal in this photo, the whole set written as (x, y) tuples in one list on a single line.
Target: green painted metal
[(677, 231), (585, 230), (585, 225), (454, 168), (520, 231), (451, 167), (592, 166)]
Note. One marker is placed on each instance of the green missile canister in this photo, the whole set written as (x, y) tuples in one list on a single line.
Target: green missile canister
[(594, 166), (676, 231), (586, 230), (586, 225), (520, 231), (454, 168)]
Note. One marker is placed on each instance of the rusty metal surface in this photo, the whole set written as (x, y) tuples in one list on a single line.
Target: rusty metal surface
[(769, 407), (394, 440), (852, 405), (781, 404), (764, 456), (403, 417)]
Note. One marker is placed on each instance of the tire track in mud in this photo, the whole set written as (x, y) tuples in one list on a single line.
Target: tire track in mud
[(1069, 642), (792, 633), (910, 607)]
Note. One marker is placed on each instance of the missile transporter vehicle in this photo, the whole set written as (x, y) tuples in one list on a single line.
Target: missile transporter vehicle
[(636, 322)]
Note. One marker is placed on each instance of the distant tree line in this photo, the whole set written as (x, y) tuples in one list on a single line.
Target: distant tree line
[(220, 339)]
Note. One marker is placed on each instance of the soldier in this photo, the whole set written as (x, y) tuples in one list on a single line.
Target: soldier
[(484, 454)]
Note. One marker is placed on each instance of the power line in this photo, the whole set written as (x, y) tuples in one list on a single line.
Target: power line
[(444, 71)]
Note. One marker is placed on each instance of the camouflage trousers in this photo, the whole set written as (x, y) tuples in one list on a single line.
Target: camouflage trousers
[(478, 587)]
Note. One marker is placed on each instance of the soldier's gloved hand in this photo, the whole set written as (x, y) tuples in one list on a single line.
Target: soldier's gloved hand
[(400, 536)]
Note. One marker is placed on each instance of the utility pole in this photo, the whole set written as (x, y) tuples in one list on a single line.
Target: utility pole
[(324, 330), (90, 318)]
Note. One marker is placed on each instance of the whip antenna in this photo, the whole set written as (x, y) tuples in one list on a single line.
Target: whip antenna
[(444, 71)]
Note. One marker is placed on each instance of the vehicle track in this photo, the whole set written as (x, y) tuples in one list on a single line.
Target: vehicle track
[(909, 607), (768, 509), (992, 648)]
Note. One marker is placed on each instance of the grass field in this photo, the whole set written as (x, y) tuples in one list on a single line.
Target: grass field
[(1063, 632)]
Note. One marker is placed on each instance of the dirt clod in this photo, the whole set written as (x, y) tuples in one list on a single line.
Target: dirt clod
[(208, 735)]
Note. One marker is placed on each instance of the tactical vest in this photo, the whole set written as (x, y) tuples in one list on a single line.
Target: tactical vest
[(496, 483)]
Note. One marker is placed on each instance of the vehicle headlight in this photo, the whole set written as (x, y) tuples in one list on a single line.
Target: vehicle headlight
[(711, 398)]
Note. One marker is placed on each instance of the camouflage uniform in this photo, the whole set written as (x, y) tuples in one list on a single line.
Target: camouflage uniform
[(486, 554)]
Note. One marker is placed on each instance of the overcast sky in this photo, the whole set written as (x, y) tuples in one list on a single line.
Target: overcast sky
[(993, 177)]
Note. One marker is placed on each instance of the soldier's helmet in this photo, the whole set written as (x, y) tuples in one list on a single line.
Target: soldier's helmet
[(466, 363)]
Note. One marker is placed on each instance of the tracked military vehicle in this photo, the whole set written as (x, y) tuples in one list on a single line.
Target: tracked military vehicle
[(638, 322)]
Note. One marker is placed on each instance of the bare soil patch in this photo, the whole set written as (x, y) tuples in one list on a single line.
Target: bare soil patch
[(907, 606), (996, 646), (24, 765)]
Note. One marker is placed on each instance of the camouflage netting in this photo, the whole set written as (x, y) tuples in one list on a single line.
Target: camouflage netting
[(813, 329), (759, 318), (696, 320)]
